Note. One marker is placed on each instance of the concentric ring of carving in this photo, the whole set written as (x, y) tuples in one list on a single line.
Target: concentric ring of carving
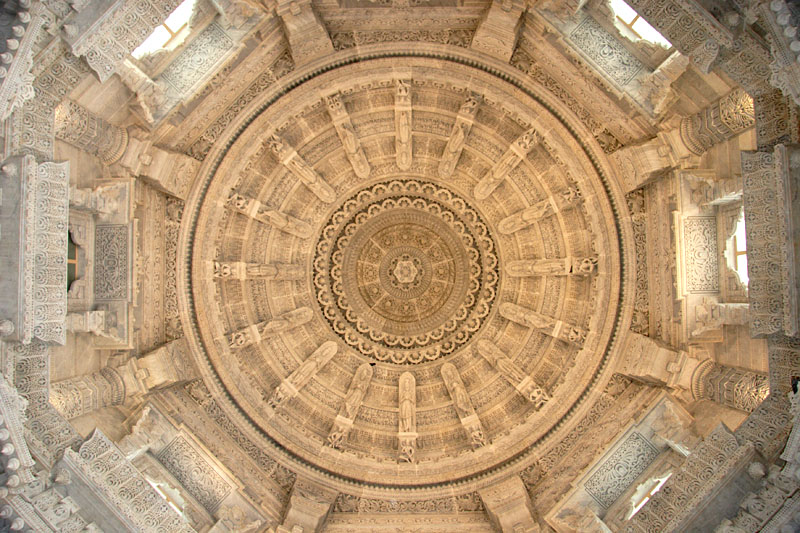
[(405, 271)]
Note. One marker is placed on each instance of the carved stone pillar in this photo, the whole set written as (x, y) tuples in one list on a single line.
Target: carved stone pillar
[(109, 386), (719, 122), (309, 505), (308, 38), (498, 30), (728, 117), (83, 129), (509, 507), (739, 389), (772, 214), (81, 395)]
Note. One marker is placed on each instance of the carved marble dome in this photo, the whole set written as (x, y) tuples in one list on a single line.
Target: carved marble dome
[(419, 216)]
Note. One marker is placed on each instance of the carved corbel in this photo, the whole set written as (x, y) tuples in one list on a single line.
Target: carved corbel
[(407, 417), (352, 403)]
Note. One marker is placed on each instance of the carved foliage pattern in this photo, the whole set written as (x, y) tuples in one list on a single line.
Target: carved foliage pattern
[(194, 473), (197, 59), (111, 262), (606, 51), (620, 470), (700, 247)]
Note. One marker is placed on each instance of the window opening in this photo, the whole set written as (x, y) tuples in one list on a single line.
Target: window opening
[(736, 250), (646, 497), (639, 27), (165, 34), (72, 262)]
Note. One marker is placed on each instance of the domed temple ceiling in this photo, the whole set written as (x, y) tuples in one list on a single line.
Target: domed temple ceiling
[(404, 272)]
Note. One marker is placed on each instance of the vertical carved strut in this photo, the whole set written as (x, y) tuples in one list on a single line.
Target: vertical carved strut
[(255, 210), (508, 162), (298, 379), (463, 405), (512, 373), (344, 128), (352, 403), (290, 159), (550, 326), (567, 266), (407, 416), (462, 127), (257, 332), (274, 271), (402, 124)]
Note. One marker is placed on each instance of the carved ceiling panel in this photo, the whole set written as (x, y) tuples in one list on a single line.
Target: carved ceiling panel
[(373, 215)]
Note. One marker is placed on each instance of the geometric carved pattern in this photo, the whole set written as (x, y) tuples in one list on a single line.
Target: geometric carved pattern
[(194, 473), (602, 48), (702, 265), (404, 272), (621, 469), (111, 262)]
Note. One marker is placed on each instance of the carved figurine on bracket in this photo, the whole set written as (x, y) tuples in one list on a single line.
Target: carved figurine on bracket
[(352, 402), (402, 117), (508, 162), (458, 137), (463, 405), (407, 416), (298, 379)]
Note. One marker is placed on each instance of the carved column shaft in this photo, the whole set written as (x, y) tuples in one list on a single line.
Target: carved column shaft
[(83, 129), (723, 120), (81, 395), (730, 386)]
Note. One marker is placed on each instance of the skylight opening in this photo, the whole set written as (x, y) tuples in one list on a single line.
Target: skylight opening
[(639, 27), (165, 34), (736, 251)]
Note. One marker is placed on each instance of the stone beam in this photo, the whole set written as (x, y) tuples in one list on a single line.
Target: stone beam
[(771, 194), (346, 132)]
